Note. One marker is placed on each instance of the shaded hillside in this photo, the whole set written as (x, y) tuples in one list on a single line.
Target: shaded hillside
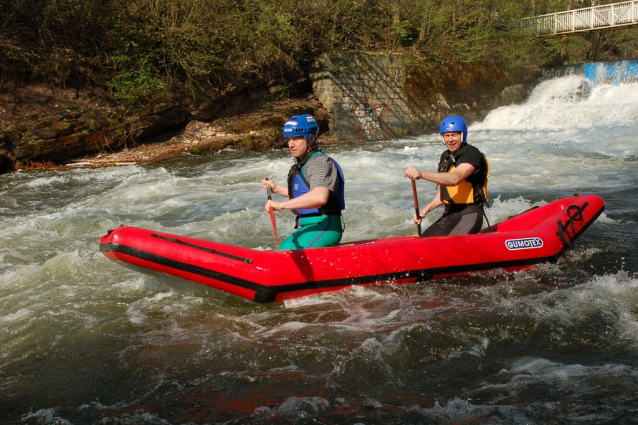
[(90, 75)]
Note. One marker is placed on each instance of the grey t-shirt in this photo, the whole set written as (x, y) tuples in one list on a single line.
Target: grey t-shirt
[(320, 171)]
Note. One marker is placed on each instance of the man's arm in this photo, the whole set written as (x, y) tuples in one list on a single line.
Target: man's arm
[(317, 197), (275, 188), (460, 173)]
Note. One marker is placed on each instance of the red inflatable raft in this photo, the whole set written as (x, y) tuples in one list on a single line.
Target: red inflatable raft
[(536, 236)]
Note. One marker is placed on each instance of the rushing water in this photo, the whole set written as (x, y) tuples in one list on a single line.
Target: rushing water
[(84, 340)]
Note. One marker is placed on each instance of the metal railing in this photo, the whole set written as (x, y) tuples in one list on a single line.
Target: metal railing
[(587, 19)]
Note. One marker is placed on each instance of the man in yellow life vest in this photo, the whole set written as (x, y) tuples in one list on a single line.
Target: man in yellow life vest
[(462, 178)]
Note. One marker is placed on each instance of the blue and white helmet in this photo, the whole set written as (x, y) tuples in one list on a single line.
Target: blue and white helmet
[(454, 123), (301, 125)]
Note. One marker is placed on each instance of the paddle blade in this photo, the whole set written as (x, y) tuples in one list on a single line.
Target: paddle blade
[(274, 227), (272, 216)]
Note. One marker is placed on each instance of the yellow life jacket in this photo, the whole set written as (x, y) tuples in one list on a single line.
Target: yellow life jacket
[(465, 192)]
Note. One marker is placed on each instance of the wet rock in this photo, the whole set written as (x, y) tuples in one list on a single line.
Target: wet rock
[(60, 138), (510, 95)]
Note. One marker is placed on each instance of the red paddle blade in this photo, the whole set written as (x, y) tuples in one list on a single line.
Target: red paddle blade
[(272, 216), (274, 227)]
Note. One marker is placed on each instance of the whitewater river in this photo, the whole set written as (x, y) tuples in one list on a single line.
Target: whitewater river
[(85, 341)]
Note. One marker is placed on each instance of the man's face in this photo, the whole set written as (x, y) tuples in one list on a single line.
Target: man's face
[(453, 140), (298, 146)]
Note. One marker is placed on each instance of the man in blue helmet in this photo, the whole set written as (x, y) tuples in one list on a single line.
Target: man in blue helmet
[(462, 178), (315, 188)]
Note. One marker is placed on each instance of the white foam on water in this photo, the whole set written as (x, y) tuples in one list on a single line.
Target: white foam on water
[(559, 105), (139, 311), (56, 286), (612, 296), (501, 210), (366, 292), (310, 300), (136, 316), (284, 328), (46, 181), (133, 286), (568, 378), (294, 409), (46, 416), (23, 312), (575, 139)]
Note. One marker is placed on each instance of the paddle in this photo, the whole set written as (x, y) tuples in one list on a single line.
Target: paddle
[(416, 205), (272, 217)]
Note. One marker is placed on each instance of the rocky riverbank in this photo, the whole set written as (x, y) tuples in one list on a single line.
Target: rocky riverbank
[(355, 97), (33, 116), (198, 138)]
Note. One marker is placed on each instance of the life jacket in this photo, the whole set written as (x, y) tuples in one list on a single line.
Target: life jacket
[(469, 191), (298, 185)]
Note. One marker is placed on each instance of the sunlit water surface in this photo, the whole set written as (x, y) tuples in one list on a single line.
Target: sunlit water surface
[(84, 340)]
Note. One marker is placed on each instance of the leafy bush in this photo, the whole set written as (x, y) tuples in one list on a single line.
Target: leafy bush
[(139, 48)]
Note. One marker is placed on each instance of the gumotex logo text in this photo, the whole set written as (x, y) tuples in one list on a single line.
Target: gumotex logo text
[(524, 243)]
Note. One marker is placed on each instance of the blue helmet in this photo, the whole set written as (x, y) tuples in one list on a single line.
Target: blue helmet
[(301, 125), (454, 123)]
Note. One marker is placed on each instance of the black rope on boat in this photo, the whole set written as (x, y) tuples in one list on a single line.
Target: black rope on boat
[(575, 214), (212, 251)]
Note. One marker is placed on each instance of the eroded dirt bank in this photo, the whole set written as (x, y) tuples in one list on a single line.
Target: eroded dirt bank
[(53, 128)]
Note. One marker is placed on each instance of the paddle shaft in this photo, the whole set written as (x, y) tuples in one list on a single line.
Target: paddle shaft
[(416, 206), (272, 217)]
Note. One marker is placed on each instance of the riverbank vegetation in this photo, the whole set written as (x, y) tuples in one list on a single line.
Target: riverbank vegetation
[(134, 50)]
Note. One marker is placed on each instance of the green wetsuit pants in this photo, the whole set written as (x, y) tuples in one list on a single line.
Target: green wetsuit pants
[(315, 232)]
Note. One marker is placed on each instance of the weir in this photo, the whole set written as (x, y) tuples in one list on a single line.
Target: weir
[(610, 72)]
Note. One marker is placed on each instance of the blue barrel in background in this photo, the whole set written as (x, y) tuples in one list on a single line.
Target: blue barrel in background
[(609, 72)]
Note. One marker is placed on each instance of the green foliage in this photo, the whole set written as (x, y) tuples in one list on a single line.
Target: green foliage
[(140, 48), (135, 79), (278, 93), (135, 64), (45, 40)]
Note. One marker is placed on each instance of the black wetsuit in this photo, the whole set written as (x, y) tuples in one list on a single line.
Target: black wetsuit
[(463, 203)]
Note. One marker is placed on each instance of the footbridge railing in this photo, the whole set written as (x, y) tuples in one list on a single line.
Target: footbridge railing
[(587, 19)]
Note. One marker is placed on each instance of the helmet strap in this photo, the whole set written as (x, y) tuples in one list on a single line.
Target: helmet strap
[(312, 143)]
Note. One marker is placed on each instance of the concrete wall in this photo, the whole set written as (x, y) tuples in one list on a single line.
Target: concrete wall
[(364, 95), (380, 96)]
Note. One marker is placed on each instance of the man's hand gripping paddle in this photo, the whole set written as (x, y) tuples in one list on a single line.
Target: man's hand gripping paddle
[(272, 217), (416, 205)]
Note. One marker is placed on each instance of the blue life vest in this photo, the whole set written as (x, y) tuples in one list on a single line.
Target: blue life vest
[(298, 185)]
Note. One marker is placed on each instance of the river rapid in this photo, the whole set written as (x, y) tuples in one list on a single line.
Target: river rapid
[(85, 341)]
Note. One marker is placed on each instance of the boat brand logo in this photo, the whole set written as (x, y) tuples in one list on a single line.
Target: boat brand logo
[(523, 243)]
